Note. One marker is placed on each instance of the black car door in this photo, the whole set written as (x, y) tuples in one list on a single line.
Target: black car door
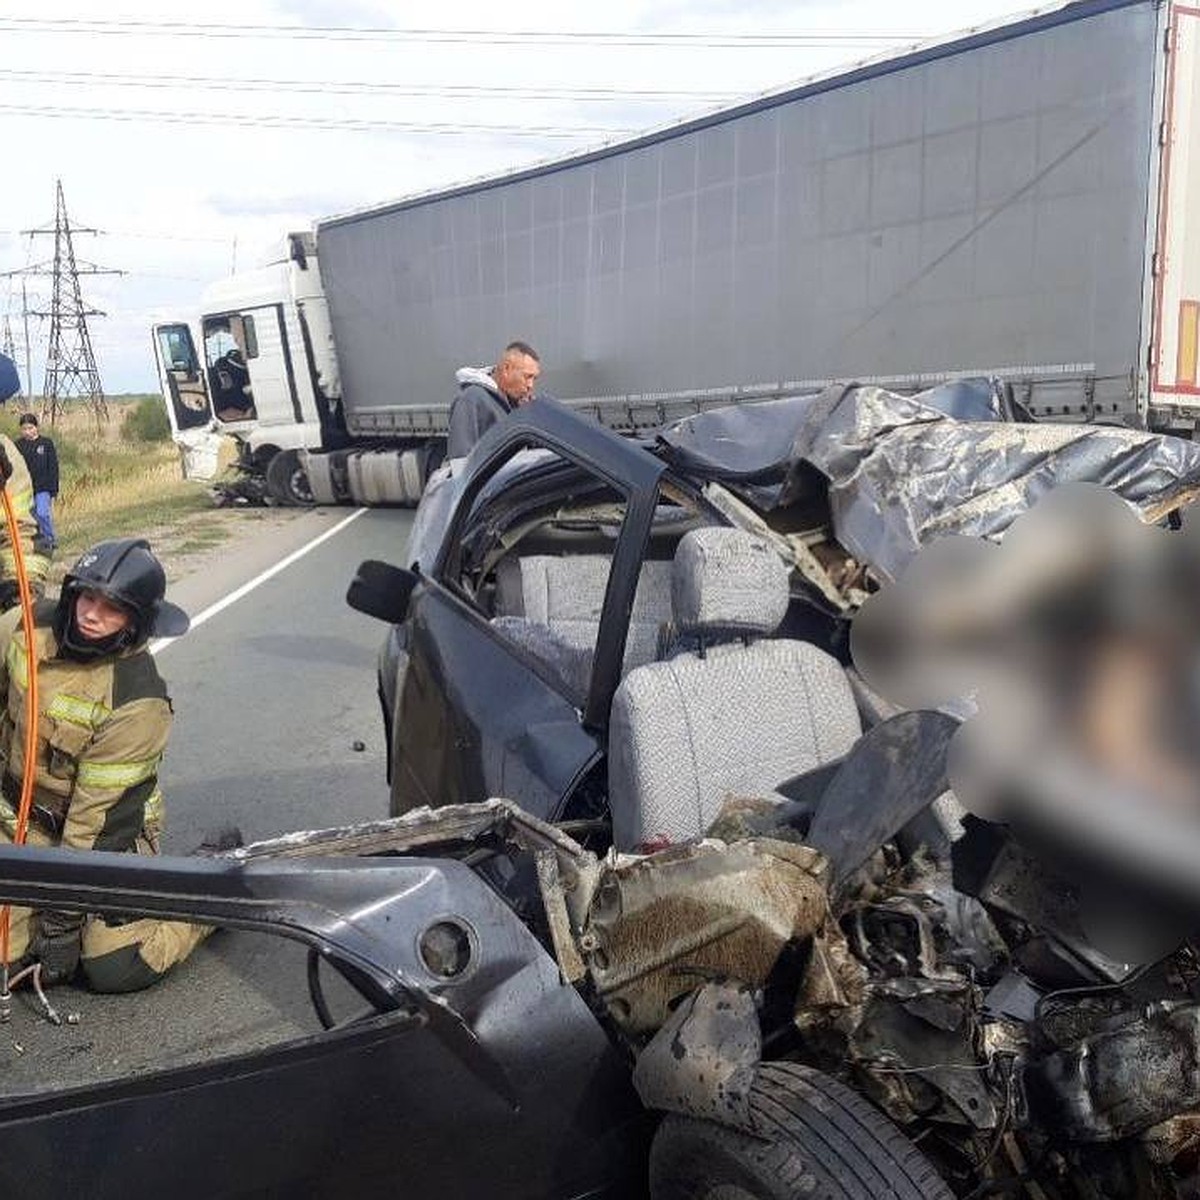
[(478, 715)]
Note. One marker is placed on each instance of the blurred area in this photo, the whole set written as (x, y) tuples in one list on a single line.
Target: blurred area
[(1073, 650)]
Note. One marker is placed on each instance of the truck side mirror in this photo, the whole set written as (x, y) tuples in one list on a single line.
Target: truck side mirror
[(382, 590)]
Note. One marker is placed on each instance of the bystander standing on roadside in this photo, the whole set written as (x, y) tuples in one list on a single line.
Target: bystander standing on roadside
[(42, 459), (485, 396)]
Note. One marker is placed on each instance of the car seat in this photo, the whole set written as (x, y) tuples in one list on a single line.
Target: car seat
[(738, 715), (566, 594)]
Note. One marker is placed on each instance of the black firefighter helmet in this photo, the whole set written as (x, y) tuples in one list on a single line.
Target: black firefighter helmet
[(127, 573)]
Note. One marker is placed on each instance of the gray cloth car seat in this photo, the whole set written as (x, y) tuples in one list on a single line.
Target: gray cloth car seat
[(566, 595), (739, 717), (570, 666)]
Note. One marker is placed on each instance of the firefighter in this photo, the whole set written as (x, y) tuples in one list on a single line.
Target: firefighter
[(104, 721), (14, 475)]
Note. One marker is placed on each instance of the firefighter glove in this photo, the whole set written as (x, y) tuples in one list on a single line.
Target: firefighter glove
[(57, 945), (6, 467)]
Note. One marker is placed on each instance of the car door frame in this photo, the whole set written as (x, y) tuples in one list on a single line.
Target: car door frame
[(456, 753), (546, 424), (478, 1046)]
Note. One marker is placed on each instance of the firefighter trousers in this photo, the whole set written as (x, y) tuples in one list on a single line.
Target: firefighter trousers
[(118, 954)]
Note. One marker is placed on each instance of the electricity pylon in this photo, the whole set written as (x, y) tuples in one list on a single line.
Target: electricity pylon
[(71, 372)]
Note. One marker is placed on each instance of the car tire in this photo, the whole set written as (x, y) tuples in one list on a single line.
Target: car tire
[(286, 481), (818, 1140)]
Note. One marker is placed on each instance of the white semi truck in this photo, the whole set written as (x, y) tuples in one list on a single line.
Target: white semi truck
[(1016, 201)]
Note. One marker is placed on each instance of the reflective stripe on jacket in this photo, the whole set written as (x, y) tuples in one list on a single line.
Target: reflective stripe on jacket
[(102, 730), (20, 492)]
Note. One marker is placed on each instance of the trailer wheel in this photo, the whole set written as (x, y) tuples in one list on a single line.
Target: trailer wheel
[(287, 481), (817, 1139)]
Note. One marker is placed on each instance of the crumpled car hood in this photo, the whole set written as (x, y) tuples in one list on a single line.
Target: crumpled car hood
[(899, 472)]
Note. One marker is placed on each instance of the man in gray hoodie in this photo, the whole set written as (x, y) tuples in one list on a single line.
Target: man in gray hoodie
[(486, 396)]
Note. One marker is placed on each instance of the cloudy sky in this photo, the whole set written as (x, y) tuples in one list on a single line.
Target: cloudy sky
[(195, 147)]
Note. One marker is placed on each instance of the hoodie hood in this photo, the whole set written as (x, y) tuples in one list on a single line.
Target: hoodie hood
[(465, 376)]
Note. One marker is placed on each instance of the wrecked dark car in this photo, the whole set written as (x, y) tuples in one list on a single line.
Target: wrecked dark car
[(541, 571), (730, 933)]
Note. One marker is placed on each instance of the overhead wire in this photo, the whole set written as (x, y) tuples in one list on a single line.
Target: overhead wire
[(704, 40), (279, 121), (133, 233), (360, 87)]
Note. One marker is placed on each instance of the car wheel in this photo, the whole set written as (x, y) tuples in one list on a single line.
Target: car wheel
[(287, 481), (817, 1139)]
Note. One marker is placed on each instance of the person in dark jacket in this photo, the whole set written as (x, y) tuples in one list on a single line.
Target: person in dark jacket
[(42, 458), (486, 396)]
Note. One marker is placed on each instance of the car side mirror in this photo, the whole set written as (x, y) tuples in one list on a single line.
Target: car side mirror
[(382, 590)]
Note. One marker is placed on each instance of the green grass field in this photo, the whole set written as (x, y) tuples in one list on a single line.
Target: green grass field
[(112, 486)]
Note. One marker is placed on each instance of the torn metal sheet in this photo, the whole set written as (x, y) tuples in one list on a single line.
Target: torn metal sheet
[(1123, 1082), (896, 472), (755, 448), (660, 925), (417, 828), (702, 1061), (558, 917), (915, 1043), (902, 474)]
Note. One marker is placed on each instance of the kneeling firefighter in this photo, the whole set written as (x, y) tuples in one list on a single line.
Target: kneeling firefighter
[(103, 723)]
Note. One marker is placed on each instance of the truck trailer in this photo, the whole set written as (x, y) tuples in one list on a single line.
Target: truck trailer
[(1012, 201)]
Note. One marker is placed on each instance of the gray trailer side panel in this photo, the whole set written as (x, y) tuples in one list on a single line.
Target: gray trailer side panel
[(978, 209)]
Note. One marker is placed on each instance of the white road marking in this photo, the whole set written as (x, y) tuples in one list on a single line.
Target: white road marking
[(246, 588)]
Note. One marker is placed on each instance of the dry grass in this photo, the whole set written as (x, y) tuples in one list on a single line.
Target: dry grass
[(112, 488)]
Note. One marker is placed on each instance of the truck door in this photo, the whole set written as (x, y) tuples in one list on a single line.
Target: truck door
[(248, 362), (1175, 351), (184, 388)]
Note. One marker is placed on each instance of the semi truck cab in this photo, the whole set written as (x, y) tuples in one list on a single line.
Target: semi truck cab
[(258, 364)]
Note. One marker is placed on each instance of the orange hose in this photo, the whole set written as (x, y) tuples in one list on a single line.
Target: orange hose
[(31, 703)]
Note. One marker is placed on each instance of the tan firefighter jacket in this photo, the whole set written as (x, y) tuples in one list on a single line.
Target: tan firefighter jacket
[(102, 729), (20, 491)]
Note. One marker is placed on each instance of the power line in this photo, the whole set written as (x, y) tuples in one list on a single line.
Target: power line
[(483, 36), (357, 87), (125, 233), (164, 275), (311, 123), (165, 237)]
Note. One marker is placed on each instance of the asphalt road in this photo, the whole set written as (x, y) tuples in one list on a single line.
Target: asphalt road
[(270, 695)]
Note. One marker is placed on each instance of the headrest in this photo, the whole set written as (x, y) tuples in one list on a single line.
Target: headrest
[(727, 579)]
